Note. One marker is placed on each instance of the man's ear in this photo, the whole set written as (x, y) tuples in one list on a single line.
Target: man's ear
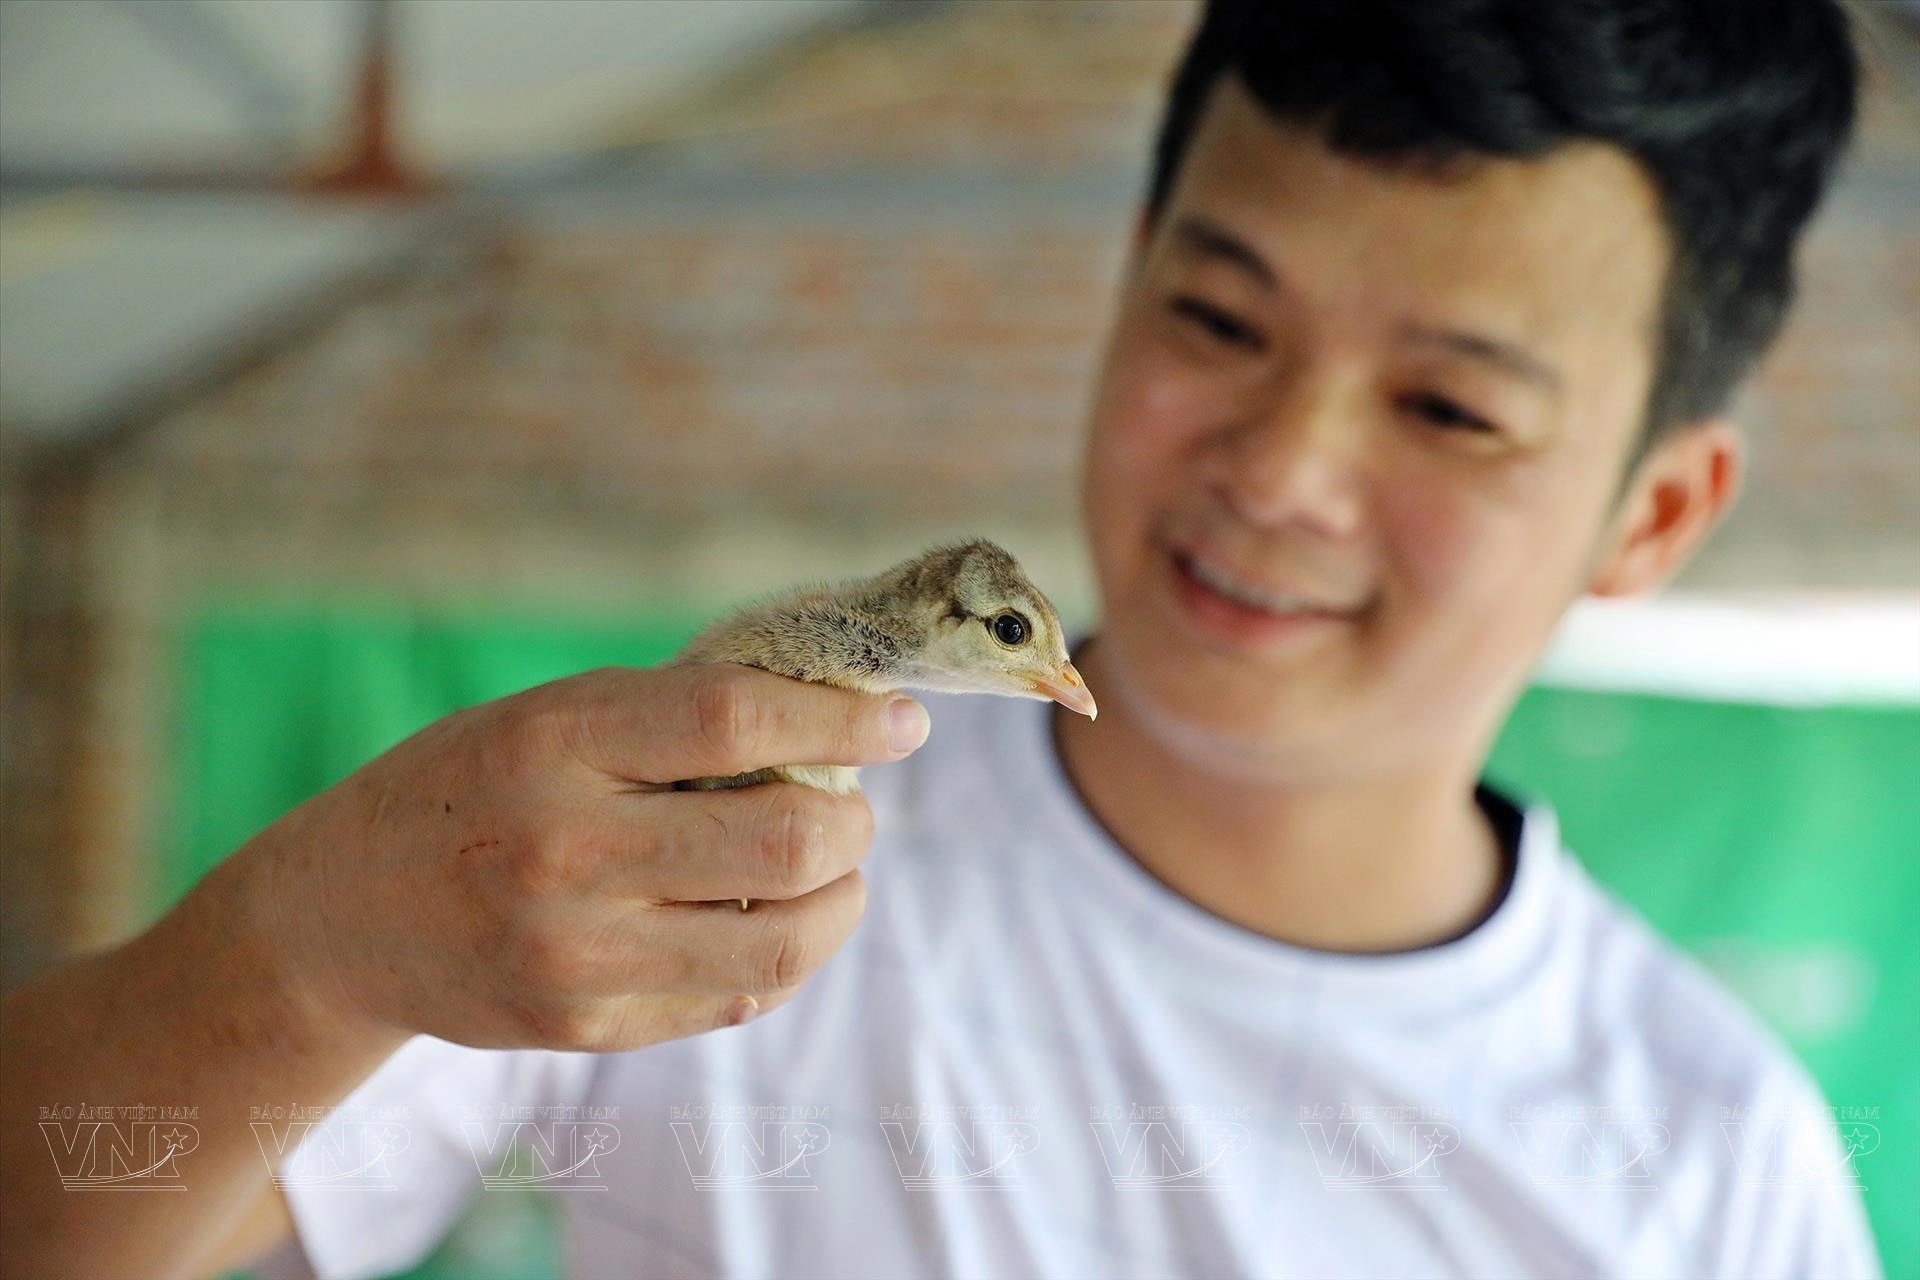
[(1682, 489)]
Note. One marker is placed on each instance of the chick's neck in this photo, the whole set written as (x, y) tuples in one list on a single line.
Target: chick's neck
[(1376, 864)]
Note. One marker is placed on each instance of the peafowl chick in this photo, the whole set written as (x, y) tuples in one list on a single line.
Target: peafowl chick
[(958, 619)]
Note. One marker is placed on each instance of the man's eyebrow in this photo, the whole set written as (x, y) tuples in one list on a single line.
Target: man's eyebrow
[(1210, 239), (1509, 356)]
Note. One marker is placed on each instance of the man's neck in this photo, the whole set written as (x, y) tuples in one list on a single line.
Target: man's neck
[(1387, 864)]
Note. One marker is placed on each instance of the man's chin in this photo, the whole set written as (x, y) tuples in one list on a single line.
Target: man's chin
[(1223, 721)]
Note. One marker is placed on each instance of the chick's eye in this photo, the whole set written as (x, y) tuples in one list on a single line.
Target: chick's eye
[(1010, 629)]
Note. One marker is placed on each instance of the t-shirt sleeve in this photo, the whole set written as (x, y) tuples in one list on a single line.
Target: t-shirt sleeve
[(1809, 1221), (375, 1183)]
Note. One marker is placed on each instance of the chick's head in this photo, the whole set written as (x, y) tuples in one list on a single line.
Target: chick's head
[(988, 629)]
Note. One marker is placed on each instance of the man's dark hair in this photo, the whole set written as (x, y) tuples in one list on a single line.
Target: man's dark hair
[(1739, 109)]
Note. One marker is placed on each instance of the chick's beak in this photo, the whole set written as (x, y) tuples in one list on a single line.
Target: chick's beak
[(1068, 689)]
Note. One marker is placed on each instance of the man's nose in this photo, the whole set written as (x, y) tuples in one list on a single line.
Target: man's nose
[(1295, 454)]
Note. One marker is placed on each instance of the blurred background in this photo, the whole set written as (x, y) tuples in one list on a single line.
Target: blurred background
[(363, 360)]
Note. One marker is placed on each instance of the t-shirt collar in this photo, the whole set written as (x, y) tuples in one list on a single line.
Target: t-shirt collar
[(1504, 949)]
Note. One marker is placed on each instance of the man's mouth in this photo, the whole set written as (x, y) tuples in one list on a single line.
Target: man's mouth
[(1221, 581)]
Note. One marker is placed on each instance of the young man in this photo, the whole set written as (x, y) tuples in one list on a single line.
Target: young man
[(1431, 312)]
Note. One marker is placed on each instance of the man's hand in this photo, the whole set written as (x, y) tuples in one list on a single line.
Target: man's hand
[(522, 873), (518, 874)]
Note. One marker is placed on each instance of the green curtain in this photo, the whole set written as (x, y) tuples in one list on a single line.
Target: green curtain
[(1777, 843)]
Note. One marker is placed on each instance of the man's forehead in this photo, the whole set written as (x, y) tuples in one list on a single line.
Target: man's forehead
[(1580, 224)]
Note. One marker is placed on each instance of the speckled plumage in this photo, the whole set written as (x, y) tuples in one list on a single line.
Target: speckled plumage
[(910, 627)]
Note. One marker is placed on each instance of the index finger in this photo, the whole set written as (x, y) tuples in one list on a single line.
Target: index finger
[(703, 720)]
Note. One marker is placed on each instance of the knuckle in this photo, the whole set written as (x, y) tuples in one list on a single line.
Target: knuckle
[(674, 968), (700, 838), (797, 845), (535, 727), (596, 678), (542, 863), (786, 959), (564, 1028), (584, 723), (572, 714), (549, 960), (726, 717)]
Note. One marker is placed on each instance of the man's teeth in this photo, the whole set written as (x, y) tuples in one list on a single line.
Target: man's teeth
[(1241, 593)]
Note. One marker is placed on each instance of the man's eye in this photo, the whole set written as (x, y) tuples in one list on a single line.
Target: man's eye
[(1443, 412), (1219, 324)]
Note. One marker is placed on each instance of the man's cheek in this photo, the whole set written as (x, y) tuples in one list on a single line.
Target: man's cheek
[(1156, 402), (1476, 580), (1436, 545), (1134, 453)]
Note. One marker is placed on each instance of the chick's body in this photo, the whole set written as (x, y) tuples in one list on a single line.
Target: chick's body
[(813, 637), (960, 618)]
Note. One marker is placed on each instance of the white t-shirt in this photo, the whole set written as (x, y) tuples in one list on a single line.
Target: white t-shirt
[(1034, 1059)]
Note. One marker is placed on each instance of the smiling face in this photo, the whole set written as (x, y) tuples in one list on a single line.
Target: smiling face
[(1404, 399)]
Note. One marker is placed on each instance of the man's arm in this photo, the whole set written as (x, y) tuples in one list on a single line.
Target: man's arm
[(200, 1013), (521, 874)]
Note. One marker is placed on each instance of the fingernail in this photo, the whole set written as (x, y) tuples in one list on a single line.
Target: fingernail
[(907, 724), (742, 1009)]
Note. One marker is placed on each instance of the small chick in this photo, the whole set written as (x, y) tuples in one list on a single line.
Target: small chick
[(958, 619)]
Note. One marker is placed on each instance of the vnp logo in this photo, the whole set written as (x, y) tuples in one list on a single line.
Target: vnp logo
[(1771, 1153), (337, 1153), (951, 1153), (778, 1155), (1393, 1154), (1176, 1154), (563, 1154), (1579, 1153), (127, 1153)]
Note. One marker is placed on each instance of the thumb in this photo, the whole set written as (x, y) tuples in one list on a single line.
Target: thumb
[(714, 719)]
